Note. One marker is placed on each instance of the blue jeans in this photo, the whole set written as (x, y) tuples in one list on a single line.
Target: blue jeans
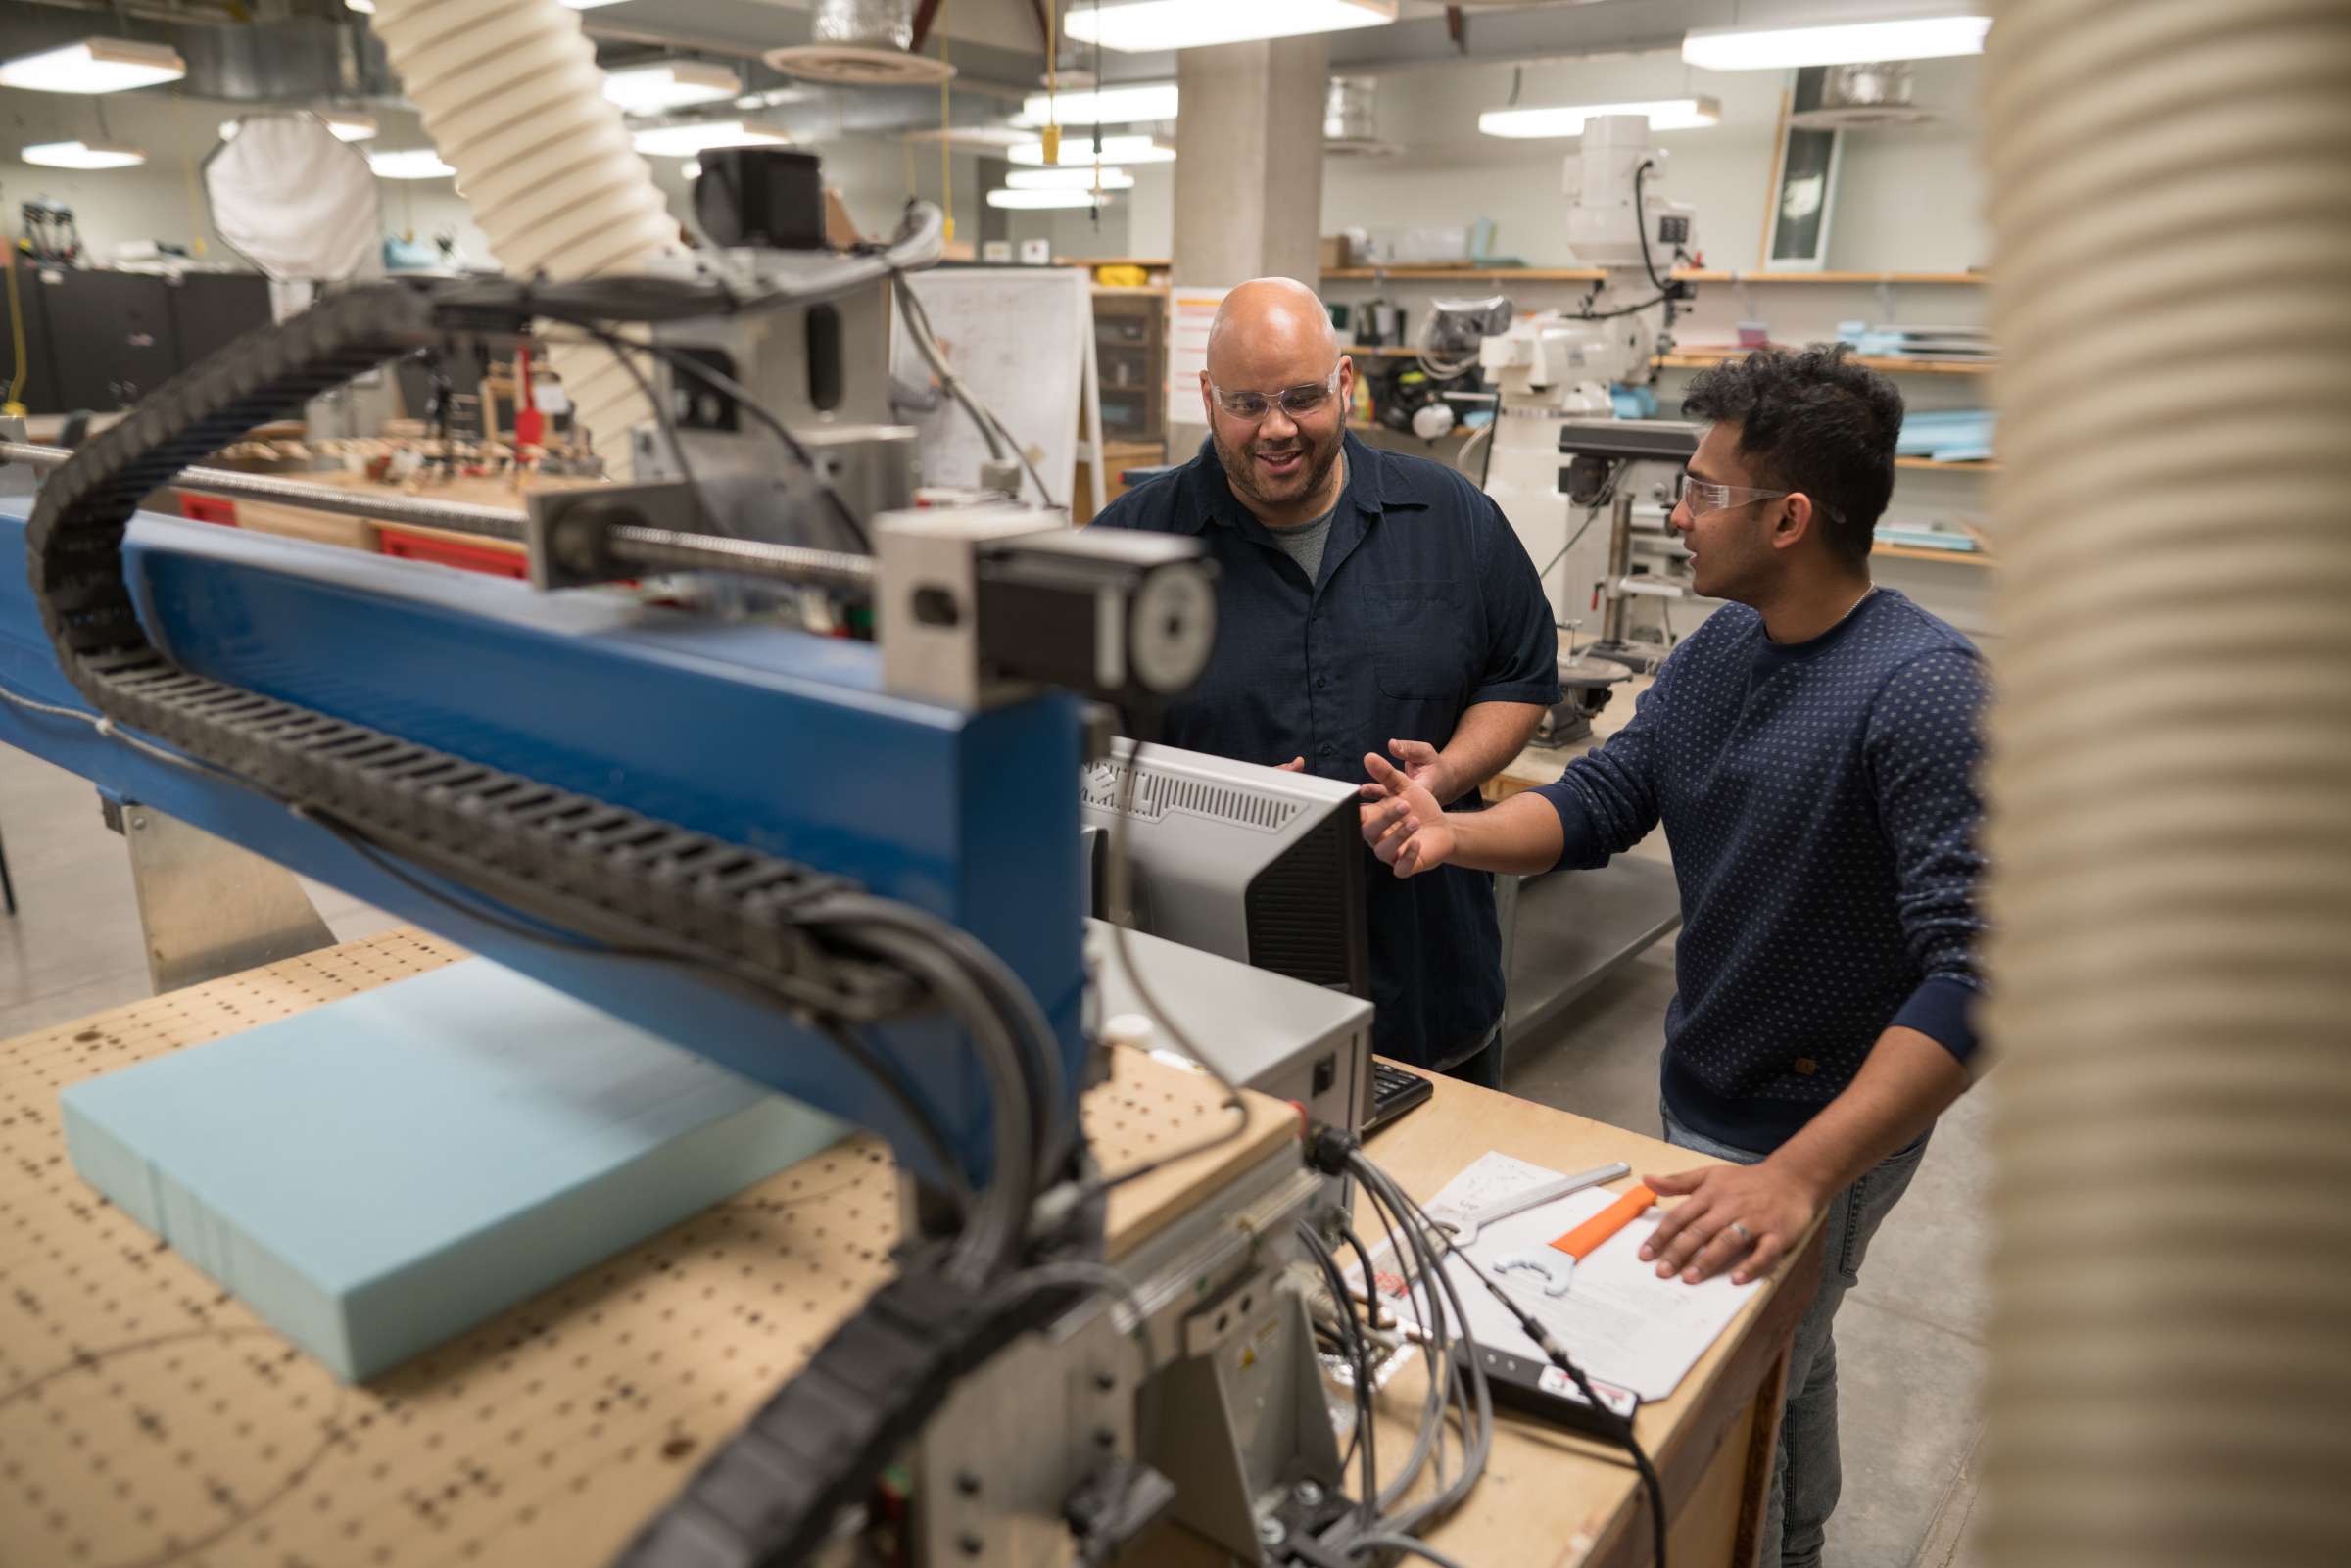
[(1807, 1472)]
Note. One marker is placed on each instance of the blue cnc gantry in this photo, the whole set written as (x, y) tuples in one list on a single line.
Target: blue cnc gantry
[(773, 739)]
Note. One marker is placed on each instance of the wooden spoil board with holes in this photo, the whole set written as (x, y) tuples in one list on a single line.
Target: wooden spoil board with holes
[(147, 1418)]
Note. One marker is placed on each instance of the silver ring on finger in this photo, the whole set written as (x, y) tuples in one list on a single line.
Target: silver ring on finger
[(1745, 1235)]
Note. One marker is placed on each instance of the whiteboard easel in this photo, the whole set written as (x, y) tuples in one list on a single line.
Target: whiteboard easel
[(1021, 339)]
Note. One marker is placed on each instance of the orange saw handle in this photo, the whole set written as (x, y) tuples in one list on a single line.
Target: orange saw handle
[(1579, 1243)]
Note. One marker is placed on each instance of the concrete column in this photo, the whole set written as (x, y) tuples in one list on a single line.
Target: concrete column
[(1248, 176)]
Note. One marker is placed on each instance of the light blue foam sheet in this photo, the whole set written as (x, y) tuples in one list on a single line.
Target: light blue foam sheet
[(380, 1173)]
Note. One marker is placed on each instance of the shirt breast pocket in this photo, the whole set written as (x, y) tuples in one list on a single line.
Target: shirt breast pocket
[(1422, 643)]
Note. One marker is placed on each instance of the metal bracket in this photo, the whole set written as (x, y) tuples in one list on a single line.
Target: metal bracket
[(569, 532), (207, 909)]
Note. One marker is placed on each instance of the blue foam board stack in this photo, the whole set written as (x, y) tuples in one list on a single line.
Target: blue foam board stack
[(377, 1174)]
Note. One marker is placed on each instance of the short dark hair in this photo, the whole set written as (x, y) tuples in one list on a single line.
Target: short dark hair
[(1813, 421)]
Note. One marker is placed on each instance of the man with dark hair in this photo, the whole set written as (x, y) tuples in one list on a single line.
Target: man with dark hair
[(1809, 750), (1364, 598)]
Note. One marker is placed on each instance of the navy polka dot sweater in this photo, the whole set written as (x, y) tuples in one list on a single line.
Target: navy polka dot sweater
[(1820, 803)]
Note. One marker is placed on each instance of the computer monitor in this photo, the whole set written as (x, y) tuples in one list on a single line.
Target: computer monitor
[(1248, 862)]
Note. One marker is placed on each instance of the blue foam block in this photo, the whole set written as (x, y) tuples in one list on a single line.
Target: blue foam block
[(377, 1174)]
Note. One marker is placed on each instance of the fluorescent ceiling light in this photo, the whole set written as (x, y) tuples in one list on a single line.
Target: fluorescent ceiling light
[(365, 8), (1038, 199), (409, 162), (589, 5), (669, 84), (704, 135), (1067, 179), (1835, 43), (1078, 150), (1107, 105), (1146, 26), (993, 138), (95, 66), (83, 155), (347, 126), (772, 96), (1665, 114)]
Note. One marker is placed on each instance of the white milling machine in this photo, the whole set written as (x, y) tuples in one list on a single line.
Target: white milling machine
[(1555, 371)]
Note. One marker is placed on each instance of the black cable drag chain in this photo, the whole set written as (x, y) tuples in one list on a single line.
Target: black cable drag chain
[(581, 864)]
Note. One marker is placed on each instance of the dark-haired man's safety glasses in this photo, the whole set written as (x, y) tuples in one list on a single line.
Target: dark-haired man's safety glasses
[(1702, 497)]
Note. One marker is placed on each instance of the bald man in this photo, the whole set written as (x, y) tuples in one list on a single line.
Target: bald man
[(1367, 601)]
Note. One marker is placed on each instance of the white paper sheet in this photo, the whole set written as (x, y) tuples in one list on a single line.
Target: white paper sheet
[(1622, 1324)]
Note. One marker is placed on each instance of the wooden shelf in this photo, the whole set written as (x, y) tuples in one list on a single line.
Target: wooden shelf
[(1146, 262), (1470, 274), (1593, 274), (1930, 465), (1396, 351), (1923, 367), (1847, 278), (1117, 290), (1961, 558)]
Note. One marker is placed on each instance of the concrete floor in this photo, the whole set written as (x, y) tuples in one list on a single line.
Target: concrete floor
[(1911, 1338), (75, 947)]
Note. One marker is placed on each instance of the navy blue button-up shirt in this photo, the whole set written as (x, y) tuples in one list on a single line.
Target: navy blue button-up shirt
[(1426, 605)]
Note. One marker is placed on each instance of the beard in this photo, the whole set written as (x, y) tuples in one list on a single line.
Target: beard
[(1252, 483)]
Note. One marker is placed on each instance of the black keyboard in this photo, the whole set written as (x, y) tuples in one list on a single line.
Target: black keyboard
[(1394, 1091)]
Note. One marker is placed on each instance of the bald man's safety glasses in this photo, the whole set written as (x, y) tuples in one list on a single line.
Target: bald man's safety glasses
[(1298, 403)]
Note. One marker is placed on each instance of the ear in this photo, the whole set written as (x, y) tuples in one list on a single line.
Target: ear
[(1797, 521), (1207, 403), (1347, 383)]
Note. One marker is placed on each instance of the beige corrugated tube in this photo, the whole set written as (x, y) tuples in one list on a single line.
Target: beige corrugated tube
[(514, 100), (2171, 785)]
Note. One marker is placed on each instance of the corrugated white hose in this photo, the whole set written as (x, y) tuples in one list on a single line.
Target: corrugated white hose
[(2170, 793), (515, 102)]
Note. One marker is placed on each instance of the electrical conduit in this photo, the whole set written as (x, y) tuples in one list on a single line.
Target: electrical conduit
[(2170, 823), (515, 102)]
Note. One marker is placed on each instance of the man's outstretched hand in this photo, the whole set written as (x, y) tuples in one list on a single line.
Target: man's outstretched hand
[(1402, 821), (1423, 765)]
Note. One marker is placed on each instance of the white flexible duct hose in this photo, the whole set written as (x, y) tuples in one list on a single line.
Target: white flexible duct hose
[(515, 102), (2169, 793)]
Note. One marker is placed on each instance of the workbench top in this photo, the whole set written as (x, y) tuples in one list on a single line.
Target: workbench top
[(1550, 1498), (146, 1416)]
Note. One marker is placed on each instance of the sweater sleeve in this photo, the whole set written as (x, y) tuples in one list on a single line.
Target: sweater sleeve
[(1923, 748), (1607, 797)]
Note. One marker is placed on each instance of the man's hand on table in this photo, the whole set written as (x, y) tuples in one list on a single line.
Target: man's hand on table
[(1296, 764), (1703, 1235)]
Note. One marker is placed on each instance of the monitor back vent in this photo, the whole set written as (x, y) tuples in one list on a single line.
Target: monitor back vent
[(1156, 795)]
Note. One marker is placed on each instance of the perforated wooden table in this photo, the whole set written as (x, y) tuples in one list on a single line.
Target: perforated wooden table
[(147, 1418)]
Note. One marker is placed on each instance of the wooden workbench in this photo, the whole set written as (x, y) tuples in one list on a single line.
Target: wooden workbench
[(147, 1418), (1551, 1499)]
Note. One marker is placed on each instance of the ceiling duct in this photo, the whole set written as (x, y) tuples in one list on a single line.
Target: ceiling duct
[(861, 43), (1868, 96), (284, 60), (1351, 119)]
